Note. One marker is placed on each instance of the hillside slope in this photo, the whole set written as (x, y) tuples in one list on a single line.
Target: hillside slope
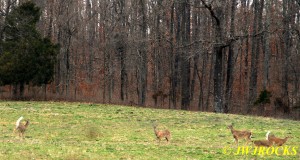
[(60, 130)]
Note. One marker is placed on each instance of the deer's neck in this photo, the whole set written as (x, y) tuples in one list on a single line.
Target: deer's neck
[(232, 130), (155, 131)]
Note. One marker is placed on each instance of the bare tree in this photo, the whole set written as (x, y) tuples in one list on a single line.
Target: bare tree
[(256, 46), (143, 51), (230, 65), (217, 17), (142, 68)]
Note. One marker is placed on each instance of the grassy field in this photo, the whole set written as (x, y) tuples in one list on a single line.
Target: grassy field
[(73, 131)]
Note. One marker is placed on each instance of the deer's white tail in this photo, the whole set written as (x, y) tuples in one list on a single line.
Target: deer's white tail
[(18, 121), (267, 135)]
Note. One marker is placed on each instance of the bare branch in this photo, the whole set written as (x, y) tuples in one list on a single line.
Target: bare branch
[(212, 13)]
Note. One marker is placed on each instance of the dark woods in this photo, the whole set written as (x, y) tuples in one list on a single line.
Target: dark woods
[(229, 56)]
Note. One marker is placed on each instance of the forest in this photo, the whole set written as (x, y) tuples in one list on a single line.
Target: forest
[(225, 56)]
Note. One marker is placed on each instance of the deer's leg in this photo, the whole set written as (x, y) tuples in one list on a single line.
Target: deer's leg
[(167, 138), (157, 139), (247, 140), (236, 141)]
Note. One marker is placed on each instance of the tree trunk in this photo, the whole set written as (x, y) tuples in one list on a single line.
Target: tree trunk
[(142, 52), (175, 81), (172, 92), (218, 65), (217, 16), (157, 54), (121, 47), (254, 58), (197, 51), (230, 65), (90, 38), (51, 16), (185, 60), (266, 46), (218, 81), (286, 49)]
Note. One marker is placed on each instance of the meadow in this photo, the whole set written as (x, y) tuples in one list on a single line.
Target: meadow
[(75, 131)]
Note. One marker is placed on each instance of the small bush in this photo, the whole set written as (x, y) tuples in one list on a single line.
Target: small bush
[(264, 97)]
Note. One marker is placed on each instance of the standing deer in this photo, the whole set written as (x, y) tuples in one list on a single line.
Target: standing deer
[(21, 128), (161, 134), (276, 140), (240, 135)]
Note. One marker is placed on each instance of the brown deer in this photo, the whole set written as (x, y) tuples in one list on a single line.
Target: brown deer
[(162, 134), (240, 135), (278, 141), (21, 128), (265, 143)]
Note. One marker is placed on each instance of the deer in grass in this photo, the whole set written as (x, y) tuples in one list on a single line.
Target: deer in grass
[(21, 128), (265, 143), (240, 134), (161, 134), (275, 140)]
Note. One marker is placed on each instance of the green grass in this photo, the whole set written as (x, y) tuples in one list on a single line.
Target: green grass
[(68, 131)]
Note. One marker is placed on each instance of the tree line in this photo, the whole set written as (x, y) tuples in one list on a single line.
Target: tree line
[(207, 55)]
